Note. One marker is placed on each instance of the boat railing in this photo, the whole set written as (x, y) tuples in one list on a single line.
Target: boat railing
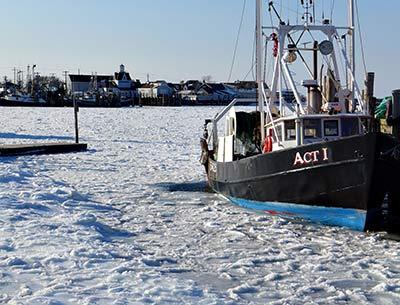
[(220, 115)]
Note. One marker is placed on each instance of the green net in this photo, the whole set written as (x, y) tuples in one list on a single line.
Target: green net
[(380, 111)]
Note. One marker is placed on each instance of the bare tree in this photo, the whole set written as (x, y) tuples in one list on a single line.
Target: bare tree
[(206, 79)]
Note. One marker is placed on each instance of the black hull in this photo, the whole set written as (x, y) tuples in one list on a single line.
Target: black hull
[(357, 173), (7, 103)]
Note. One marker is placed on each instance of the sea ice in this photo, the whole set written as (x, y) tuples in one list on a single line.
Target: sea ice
[(130, 222)]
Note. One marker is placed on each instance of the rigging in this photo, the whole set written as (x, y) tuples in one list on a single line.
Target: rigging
[(237, 40), (361, 38)]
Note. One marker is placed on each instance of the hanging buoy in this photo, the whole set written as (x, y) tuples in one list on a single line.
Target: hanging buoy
[(267, 145), (275, 50)]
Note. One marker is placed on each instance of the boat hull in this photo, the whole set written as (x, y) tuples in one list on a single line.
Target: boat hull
[(317, 182), (351, 218)]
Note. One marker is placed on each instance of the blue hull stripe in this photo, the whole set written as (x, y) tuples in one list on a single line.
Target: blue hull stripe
[(350, 218)]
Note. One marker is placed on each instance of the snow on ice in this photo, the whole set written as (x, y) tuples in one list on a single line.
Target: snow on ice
[(130, 222)]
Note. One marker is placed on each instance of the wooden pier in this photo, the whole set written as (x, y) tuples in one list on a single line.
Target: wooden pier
[(41, 149)]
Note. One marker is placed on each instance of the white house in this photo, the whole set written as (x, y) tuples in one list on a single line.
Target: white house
[(123, 85), (156, 89)]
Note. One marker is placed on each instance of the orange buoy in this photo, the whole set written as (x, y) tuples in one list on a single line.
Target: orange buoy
[(267, 145)]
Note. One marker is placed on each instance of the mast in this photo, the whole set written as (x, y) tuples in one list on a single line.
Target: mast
[(259, 65), (352, 47)]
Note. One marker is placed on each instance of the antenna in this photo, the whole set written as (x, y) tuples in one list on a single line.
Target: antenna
[(308, 16)]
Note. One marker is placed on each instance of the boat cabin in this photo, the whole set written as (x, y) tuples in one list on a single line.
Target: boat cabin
[(293, 131), (242, 132)]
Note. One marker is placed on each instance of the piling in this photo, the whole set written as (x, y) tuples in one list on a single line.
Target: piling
[(396, 113), (369, 91), (76, 110)]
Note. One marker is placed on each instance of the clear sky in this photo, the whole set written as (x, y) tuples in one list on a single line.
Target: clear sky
[(169, 39)]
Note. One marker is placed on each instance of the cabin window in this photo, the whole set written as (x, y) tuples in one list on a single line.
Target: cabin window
[(312, 128), (350, 127), (331, 128), (290, 130)]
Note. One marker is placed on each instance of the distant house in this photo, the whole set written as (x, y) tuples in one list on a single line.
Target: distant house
[(192, 85), (123, 85), (157, 89), (215, 92), (122, 78), (188, 90), (103, 81), (176, 86), (245, 89), (146, 90), (198, 92)]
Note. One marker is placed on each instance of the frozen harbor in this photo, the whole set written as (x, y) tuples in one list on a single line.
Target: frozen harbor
[(129, 222)]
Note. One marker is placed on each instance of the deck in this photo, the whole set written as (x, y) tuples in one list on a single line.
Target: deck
[(41, 149)]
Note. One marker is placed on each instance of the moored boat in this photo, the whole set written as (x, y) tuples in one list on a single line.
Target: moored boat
[(20, 99), (324, 161)]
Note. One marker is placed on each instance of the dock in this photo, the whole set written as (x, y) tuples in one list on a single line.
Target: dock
[(41, 149)]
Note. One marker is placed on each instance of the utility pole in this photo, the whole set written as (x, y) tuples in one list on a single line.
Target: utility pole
[(28, 69), (33, 80), (20, 78), (15, 75), (66, 79)]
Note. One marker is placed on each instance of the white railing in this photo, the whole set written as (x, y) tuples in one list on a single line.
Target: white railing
[(220, 115)]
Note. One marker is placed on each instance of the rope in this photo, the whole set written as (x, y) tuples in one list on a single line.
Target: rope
[(265, 58), (253, 62), (251, 69), (237, 40), (332, 8), (342, 65), (253, 56), (361, 39), (270, 18)]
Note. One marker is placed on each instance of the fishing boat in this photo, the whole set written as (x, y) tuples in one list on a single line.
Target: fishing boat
[(321, 158), (20, 99)]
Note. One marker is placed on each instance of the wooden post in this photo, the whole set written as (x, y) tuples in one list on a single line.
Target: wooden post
[(369, 91), (76, 110), (396, 113)]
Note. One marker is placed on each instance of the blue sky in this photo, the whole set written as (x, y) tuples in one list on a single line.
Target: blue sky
[(169, 39)]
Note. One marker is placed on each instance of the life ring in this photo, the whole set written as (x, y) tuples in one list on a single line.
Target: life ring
[(267, 145)]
